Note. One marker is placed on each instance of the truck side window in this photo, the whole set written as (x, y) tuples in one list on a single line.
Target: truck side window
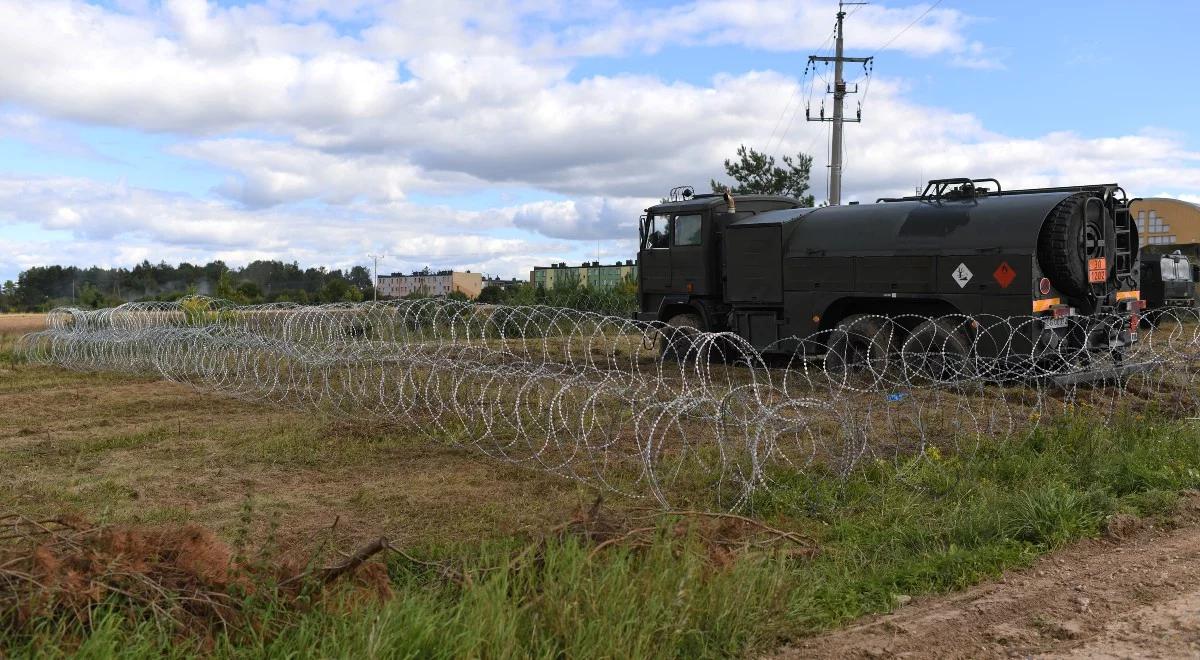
[(657, 235), (687, 230)]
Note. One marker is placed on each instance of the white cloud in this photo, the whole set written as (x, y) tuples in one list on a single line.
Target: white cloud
[(592, 217), (977, 56), (82, 62), (484, 98), (328, 132), (114, 224), (269, 173), (1191, 199)]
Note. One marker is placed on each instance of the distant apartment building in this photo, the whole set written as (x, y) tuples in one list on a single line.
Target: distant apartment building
[(588, 274), (430, 283), (501, 283)]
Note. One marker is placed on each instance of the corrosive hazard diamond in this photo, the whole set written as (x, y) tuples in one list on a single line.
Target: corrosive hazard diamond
[(1004, 274), (962, 275)]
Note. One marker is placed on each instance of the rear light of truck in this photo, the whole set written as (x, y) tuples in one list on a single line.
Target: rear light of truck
[(1134, 320), (1133, 299), (1044, 305), (1062, 311)]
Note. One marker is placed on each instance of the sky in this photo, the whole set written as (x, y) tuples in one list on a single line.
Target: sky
[(495, 136)]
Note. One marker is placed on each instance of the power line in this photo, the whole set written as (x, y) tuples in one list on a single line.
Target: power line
[(796, 93), (906, 28)]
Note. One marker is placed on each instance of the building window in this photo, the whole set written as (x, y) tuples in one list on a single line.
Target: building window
[(1156, 224)]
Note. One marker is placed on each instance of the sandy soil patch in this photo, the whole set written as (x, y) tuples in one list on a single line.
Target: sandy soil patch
[(1135, 593)]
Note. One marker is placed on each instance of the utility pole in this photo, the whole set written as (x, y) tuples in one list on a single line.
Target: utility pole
[(375, 275), (839, 97)]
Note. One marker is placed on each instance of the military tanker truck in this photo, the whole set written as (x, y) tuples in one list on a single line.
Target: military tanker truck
[(770, 271)]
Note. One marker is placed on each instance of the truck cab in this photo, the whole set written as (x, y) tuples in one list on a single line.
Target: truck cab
[(680, 256)]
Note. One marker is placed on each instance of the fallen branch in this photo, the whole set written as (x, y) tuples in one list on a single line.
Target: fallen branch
[(619, 539), (361, 555), (356, 559)]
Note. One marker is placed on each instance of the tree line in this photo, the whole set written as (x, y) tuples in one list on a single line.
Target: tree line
[(44, 287)]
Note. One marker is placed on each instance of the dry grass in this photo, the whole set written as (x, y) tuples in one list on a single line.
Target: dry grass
[(119, 449), (18, 324)]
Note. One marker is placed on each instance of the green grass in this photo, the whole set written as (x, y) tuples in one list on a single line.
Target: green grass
[(928, 524)]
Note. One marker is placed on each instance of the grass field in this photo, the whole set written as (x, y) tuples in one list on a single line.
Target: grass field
[(504, 562), (132, 449)]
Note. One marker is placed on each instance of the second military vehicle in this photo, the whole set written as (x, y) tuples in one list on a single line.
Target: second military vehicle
[(1168, 279)]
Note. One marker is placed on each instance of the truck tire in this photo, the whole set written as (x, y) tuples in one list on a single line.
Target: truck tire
[(676, 342), (861, 344), (937, 350), (1063, 245)]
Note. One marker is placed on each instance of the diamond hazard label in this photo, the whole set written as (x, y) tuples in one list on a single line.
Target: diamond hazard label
[(962, 275), (1004, 274)]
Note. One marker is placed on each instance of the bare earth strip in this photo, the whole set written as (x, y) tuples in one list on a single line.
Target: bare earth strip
[(1103, 598)]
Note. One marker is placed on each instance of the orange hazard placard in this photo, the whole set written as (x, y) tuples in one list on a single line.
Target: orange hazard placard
[(1004, 274), (1097, 270)]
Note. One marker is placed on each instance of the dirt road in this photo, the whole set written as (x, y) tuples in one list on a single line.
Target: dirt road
[(1133, 594)]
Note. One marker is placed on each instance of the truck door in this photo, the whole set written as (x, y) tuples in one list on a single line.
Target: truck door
[(689, 258), (654, 259)]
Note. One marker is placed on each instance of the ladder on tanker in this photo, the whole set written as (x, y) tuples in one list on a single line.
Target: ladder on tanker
[(1125, 251)]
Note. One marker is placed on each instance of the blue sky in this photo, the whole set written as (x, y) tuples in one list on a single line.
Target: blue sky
[(459, 134)]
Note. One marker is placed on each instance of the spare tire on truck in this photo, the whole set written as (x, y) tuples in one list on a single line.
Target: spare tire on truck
[(1073, 233)]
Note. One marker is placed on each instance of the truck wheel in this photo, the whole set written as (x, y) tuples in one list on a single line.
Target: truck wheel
[(677, 340), (1067, 240), (936, 350), (861, 344)]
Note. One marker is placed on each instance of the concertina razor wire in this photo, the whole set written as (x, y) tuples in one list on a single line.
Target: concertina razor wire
[(641, 408)]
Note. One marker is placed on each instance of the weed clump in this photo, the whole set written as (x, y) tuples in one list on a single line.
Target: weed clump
[(183, 581)]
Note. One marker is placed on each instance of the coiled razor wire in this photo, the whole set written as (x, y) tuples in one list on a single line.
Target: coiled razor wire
[(642, 408)]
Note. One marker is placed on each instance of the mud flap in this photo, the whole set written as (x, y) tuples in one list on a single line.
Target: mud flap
[(1115, 372)]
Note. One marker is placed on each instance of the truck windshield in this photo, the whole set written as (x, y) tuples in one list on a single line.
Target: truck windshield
[(657, 233)]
